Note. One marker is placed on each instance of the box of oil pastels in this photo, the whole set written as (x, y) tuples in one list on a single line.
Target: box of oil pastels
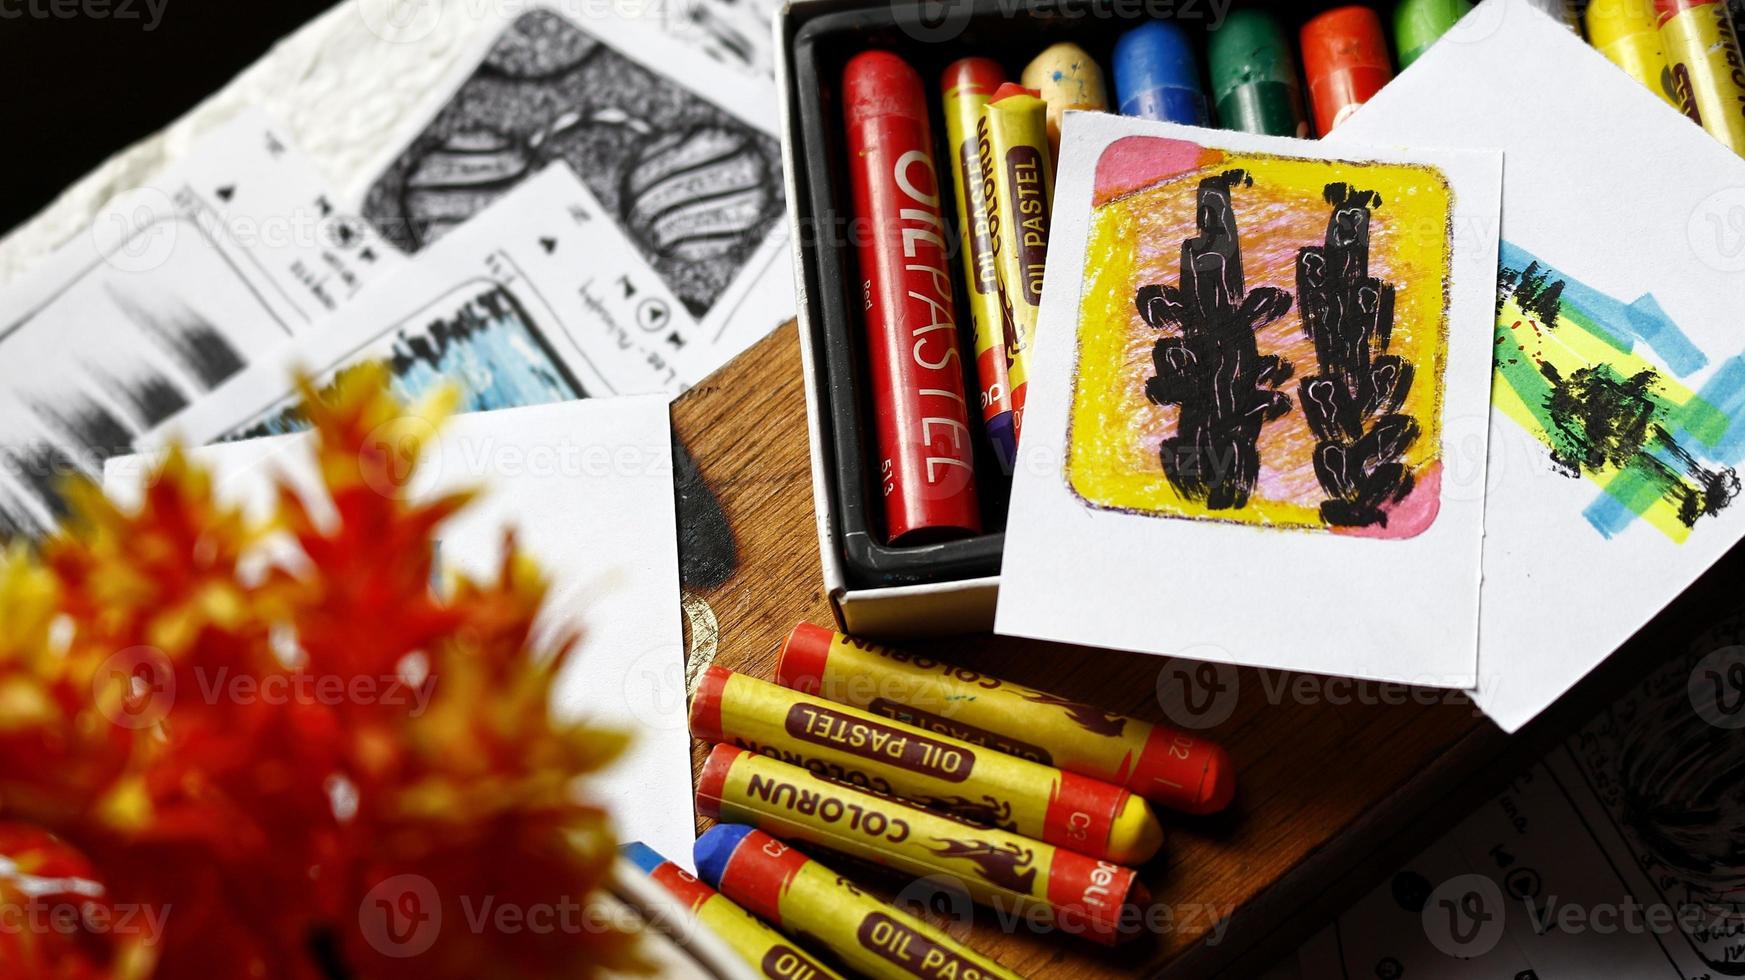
[(913, 309)]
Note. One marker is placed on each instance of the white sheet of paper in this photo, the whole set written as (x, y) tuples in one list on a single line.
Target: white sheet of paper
[(588, 484), (1619, 194), (175, 287), (1298, 598), (527, 303), (1600, 860)]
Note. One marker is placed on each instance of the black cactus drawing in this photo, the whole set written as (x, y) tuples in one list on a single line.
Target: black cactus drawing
[(1352, 405), (1214, 369)]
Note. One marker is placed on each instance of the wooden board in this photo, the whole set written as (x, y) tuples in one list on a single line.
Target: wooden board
[(1327, 768)]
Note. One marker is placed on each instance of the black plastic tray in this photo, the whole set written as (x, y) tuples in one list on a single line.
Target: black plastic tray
[(1011, 32)]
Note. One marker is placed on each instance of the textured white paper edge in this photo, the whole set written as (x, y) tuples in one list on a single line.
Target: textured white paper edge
[(1056, 594)]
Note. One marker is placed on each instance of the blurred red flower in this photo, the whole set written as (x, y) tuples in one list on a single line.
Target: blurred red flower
[(161, 815)]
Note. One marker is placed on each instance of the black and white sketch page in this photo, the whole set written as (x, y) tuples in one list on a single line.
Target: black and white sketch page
[(1621, 854), (678, 149), (175, 287), (536, 300), (737, 33)]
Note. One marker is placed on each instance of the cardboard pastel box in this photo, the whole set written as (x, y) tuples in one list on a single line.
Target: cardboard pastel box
[(938, 588)]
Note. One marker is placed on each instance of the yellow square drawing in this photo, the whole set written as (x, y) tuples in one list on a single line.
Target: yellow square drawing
[(1262, 339)]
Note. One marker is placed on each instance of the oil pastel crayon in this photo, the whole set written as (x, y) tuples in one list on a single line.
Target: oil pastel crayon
[(1420, 23), (1078, 895), (1156, 76), (1345, 58), (862, 749), (968, 84), (1170, 768), (1018, 185), (1708, 75), (1562, 11), (926, 460), (1254, 76), (802, 897), (1067, 78), (765, 949), (1627, 32)]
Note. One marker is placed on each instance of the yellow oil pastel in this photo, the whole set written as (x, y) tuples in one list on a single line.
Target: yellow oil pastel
[(1151, 215)]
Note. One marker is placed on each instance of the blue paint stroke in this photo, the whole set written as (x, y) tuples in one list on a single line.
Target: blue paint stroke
[(490, 347), (1625, 323), (1723, 395)]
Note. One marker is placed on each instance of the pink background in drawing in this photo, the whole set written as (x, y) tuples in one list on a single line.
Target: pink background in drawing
[(1273, 228)]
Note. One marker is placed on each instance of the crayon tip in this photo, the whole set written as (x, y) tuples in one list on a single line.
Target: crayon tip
[(1136, 836), (1218, 787), (712, 782), (800, 665), (715, 848), (878, 83), (706, 703), (641, 855)]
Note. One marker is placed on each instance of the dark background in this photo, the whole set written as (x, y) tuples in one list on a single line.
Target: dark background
[(75, 91)]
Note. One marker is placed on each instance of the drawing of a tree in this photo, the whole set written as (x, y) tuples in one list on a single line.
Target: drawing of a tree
[(1213, 369), (1352, 405)]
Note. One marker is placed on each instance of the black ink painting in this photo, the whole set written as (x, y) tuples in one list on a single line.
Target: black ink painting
[(1353, 402), (1661, 452), (1213, 368)]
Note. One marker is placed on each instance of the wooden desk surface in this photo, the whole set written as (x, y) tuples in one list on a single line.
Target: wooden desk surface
[(1315, 772)]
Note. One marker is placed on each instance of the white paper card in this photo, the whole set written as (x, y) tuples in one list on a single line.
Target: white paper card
[(527, 303), (1620, 394), (1249, 436), (588, 484), (175, 287)]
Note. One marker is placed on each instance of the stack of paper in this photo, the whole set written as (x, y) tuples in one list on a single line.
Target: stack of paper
[(566, 207)]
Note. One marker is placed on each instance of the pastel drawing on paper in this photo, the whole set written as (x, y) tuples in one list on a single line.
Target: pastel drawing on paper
[(1569, 373), (1262, 340)]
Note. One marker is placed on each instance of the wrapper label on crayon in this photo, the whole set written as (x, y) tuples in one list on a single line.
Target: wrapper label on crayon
[(1017, 182), (908, 949), (926, 468), (820, 767), (983, 275), (682, 884), (759, 945), (1173, 768), (968, 83), (1083, 896), (862, 749), (959, 730), (807, 898), (1707, 70), (880, 743), (1627, 32), (1026, 171)]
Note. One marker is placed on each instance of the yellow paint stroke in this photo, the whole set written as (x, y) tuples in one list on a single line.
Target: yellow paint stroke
[(1135, 240), (1521, 336)]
